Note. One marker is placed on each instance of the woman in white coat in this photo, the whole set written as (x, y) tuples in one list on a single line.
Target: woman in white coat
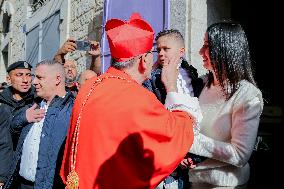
[(231, 105)]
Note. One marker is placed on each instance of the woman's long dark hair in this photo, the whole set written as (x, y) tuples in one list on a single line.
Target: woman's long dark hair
[(229, 55)]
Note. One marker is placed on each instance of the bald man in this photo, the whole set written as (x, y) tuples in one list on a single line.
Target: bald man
[(71, 72), (85, 75)]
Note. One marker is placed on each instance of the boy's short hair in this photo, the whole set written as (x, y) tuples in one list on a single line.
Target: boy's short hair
[(173, 33)]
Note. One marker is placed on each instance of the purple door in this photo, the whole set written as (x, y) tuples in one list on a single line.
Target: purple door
[(156, 12)]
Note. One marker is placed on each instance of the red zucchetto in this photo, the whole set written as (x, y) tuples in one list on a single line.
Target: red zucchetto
[(129, 39)]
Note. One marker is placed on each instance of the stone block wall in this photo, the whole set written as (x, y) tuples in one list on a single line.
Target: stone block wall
[(85, 23), (15, 39), (17, 46), (191, 17)]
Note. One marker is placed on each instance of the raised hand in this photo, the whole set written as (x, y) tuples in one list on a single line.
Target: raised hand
[(95, 52), (170, 74), (68, 46), (95, 49)]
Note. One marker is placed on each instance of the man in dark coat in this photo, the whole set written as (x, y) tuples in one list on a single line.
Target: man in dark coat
[(6, 147), (17, 95)]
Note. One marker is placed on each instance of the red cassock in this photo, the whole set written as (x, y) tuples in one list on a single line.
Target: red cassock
[(126, 137)]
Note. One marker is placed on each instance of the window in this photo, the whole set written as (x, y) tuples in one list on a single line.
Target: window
[(42, 41)]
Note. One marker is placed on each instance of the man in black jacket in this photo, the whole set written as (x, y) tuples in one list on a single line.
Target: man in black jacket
[(170, 44), (17, 95), (6, 147)]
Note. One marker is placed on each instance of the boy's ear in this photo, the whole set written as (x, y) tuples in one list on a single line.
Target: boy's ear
[(182, 52)]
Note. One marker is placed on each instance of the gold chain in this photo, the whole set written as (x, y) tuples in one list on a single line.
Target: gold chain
[(73, 178)]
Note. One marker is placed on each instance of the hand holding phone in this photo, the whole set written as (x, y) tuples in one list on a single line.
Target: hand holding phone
[(83, 45), (95, 49)]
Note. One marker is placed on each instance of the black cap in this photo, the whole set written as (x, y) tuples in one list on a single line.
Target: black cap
[(19, 65)]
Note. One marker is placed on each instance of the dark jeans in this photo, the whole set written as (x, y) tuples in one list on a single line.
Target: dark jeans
[(180, 176), (25, 184)]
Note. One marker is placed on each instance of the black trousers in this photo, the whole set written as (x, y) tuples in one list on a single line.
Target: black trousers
[(25, 184)]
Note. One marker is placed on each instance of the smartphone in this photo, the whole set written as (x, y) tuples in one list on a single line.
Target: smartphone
[(83, 45)]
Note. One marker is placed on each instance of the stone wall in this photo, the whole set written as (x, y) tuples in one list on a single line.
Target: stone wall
[(17, 46), (13, 41), (85, 23), (178, 15), (197, 24), (191, 18), (84, 20)]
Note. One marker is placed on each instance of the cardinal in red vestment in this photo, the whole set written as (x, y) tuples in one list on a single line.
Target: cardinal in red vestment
[(121, 136)]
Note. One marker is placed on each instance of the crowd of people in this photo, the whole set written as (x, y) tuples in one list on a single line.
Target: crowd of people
[(138, 125)]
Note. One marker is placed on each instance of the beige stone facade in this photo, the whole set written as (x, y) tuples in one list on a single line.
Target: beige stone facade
[(82, 19)]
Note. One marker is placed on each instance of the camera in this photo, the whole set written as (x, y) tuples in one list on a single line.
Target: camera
[(83, 45)]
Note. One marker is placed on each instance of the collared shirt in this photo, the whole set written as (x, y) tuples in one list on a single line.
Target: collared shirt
[(184, 83), (29, 157)]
